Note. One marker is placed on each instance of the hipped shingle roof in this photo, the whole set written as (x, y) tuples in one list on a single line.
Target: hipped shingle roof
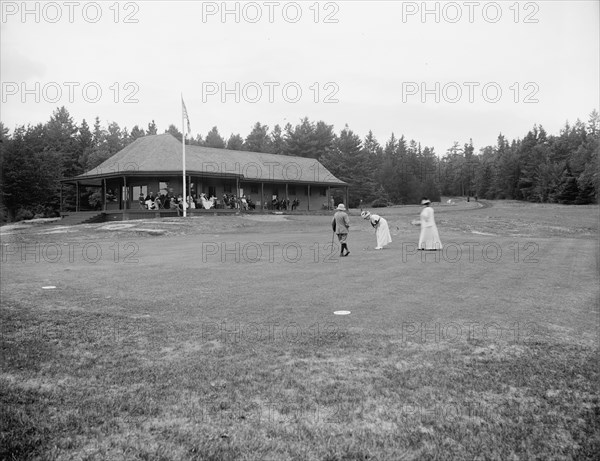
[(156, 154)]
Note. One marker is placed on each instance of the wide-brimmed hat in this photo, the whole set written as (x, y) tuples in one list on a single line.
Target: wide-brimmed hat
[(341, 207), (365, 215), (425, 201)]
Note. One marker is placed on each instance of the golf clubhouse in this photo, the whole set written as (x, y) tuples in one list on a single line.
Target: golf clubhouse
[(154, 164)]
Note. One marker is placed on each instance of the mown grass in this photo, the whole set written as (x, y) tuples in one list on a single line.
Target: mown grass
[(218, 359)]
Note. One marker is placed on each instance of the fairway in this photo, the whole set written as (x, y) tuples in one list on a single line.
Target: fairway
[(215, 338)]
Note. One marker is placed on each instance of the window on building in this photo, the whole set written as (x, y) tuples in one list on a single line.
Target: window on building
[(163, 188), (137, 190)]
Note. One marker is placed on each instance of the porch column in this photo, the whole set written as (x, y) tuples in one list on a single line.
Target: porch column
[(124, 193), (104, 194)]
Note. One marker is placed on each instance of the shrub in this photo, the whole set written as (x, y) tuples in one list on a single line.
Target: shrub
[(379, 203), (23, 213)]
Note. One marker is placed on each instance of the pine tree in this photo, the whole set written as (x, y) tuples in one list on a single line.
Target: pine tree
[(136, 132), (214, 139), (173, 131), (114, 138), (568, 192), (277, 143), (349, 162), (258, 140), (235, 142), (152, 128)]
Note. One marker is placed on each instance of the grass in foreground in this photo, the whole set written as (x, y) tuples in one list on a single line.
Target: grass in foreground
[(234, 360)]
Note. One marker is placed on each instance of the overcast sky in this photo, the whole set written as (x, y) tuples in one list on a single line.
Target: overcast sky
[(435, 72)]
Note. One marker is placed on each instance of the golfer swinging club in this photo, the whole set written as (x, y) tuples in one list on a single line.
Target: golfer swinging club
[(382, 230), (340, 225)]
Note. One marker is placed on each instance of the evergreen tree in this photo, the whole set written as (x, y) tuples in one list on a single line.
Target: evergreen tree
[(85, 139), (136, 132), (277, 143), (114, 138), (258, 140), (235, 142), (214, 139), (309, 140), (349, 162), (61, 137), (152, 128), (197, 141), (99, 133), (372, 146), (173, 131), (299, 141), (30, 175), (568, 191)]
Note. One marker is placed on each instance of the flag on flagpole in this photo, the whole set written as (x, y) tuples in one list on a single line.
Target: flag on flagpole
[(185, 116)]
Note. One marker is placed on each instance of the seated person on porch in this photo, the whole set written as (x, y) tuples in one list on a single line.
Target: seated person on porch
[(175, 205), (142, 201), (295, 203), (206, 204), (251, 204)]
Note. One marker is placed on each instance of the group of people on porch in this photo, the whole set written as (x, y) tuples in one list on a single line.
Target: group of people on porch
[(175, 202), (243, 203), (171, 201), (162, 201), (283, 204)]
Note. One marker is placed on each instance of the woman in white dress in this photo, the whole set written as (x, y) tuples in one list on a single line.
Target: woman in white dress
[(382, 230), (429, 238)]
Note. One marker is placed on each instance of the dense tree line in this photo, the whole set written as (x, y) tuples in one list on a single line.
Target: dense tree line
[(540, 167)]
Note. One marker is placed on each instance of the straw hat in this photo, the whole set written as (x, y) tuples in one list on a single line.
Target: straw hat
[(365, 215), (341, 207), (425, 201)]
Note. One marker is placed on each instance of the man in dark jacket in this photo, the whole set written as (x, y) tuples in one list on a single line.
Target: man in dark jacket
[(341, 226)]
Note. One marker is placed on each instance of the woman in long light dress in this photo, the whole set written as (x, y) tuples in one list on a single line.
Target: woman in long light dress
[(382, 230), (206, 204), (429, 238)]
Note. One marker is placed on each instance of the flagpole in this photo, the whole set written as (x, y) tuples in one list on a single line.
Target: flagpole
[(183, 138)]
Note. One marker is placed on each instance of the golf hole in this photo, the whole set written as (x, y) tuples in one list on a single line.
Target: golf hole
[(341, 312), (51, 287)]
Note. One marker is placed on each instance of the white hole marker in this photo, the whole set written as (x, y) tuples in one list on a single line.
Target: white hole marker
[(341, 312)]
